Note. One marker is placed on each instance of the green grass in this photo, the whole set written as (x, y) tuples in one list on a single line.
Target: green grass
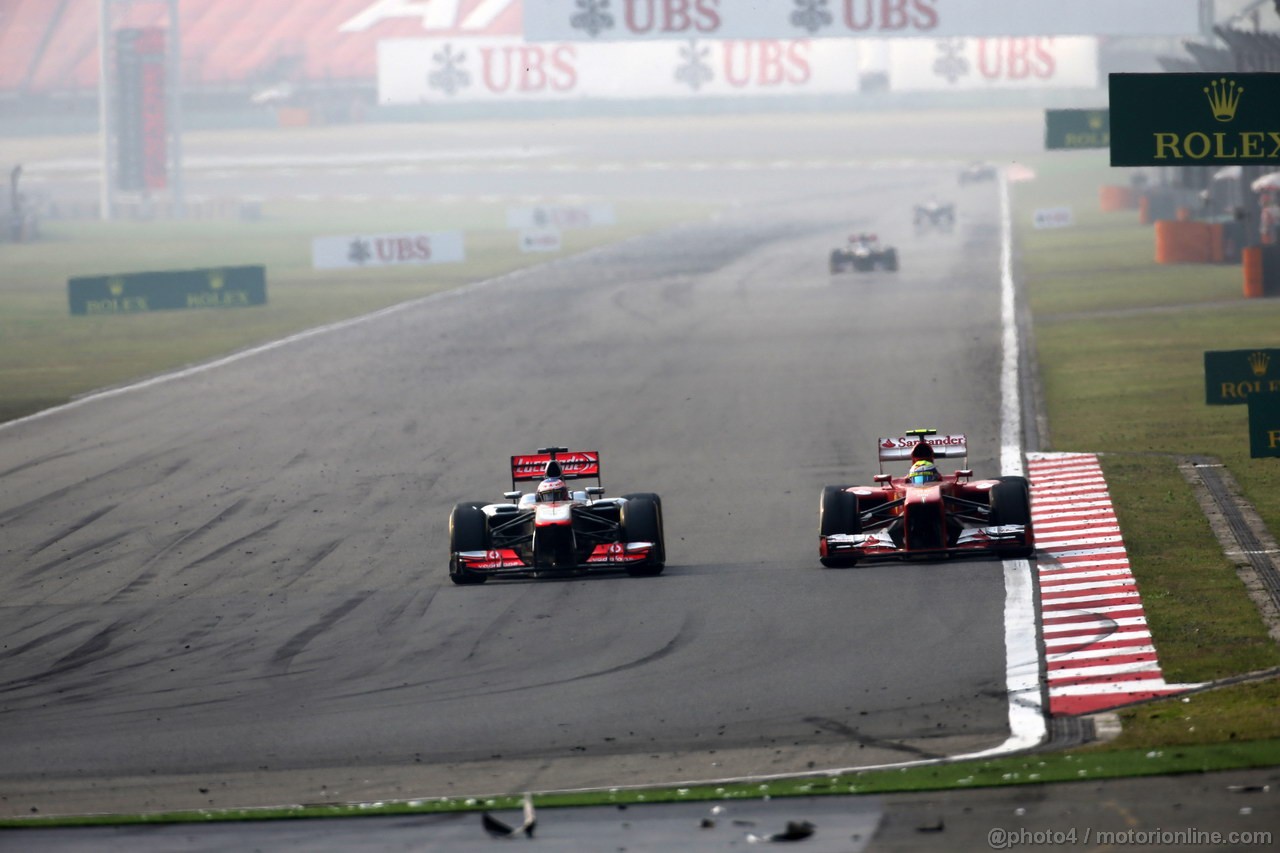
[(47, 356), (1121, 344), (1035, 768)]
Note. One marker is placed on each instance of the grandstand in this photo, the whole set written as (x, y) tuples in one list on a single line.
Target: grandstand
[(233, 51)]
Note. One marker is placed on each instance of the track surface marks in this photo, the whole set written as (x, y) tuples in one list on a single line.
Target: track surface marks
[(230, 589)]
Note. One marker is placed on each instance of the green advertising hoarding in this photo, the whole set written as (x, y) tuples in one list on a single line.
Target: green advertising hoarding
[(134, 293), (1264, 426), (1077, 129), (1233, 377), (1195, 119)]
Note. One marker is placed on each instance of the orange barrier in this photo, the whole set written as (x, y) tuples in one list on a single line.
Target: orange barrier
[(1251, 260), (1182, 214), (1112, 198), (1188, 242), (1144, 210)]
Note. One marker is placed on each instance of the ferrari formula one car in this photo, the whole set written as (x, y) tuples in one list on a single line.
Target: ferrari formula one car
[(934, 214), (864, 253), (928, 515), (554, 530)]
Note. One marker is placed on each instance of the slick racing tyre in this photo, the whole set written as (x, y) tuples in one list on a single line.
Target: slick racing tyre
[(1011, 504), (642, 522), (838, 513), (837, 261), (468, 531), (891, 260)]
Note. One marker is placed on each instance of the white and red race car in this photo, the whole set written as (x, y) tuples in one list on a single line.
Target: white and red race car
[(932, 515), (556, 530)]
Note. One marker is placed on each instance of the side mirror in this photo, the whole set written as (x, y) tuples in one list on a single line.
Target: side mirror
[(964, 474), (882, 478), (595, 491), (511, 496)]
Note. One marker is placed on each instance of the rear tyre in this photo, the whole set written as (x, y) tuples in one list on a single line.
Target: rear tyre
[(1011, 504), (641, 519), (837, 261), (468, 531), (891, 260), (838, 513)]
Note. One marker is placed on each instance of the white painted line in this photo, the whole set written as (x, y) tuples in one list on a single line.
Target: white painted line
[(1084, 641), (1054, 580), (1091, 654), (1140, 686), (1059, 614), (1054, 542), (1084, 599), (1127, 622), (1105, 669), (1072, 587)]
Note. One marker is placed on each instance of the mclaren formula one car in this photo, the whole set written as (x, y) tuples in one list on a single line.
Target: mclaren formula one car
[(934, 214), (864, 253), (555, 530), (925, 514)]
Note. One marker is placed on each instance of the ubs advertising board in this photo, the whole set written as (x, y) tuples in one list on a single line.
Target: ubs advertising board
[(417, 71), (974, 64), (1195, 119), (625, 20)]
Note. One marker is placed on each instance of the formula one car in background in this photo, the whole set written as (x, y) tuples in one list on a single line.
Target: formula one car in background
[(864, 253), (926, 514), (934, 214), (977, 173), (554, 529)]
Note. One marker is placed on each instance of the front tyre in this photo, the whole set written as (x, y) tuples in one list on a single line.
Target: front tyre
[(838, 514), (468, 531), (1011, 504), (641, 519)]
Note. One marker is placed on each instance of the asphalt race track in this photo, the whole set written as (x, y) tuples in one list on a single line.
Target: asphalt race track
[(229, 588)]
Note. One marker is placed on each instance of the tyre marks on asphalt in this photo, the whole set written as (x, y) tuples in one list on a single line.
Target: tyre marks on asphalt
[(1099, 653)]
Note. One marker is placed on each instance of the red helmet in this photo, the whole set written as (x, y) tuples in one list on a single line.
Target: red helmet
[(552, 489)]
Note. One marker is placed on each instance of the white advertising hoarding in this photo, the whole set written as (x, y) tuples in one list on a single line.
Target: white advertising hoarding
[(415, 71), (627, 20), (387, 250), (961, 64), (1053, 217), (561, 216)]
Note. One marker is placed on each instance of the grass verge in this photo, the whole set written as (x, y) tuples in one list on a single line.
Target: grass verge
[(1121, 343), (1019, 770), (48, 357)]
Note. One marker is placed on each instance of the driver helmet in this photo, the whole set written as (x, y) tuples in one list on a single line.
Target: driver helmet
[(923, 472), (552, 489)]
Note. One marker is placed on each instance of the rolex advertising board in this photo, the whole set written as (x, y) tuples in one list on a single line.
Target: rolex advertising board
[(1195, 119), (136, 293), (1077, 129), (1233, 377), (1264, 426)]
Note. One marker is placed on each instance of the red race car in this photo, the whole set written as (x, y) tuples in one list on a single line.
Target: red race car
[(926, 513), (553, 529)]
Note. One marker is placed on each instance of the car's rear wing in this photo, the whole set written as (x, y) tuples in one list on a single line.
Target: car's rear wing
[(900, 448), (573, 465)]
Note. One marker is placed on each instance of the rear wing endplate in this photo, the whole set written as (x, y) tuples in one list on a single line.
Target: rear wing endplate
[(574, 465)]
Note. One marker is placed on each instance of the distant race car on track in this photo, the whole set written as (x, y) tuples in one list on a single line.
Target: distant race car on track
[(934, 214), (556, 530), (864, 253), (926, 513), (976, 173)]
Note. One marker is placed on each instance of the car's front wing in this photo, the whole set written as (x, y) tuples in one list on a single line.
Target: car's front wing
[(863, 546), (508, 561)]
